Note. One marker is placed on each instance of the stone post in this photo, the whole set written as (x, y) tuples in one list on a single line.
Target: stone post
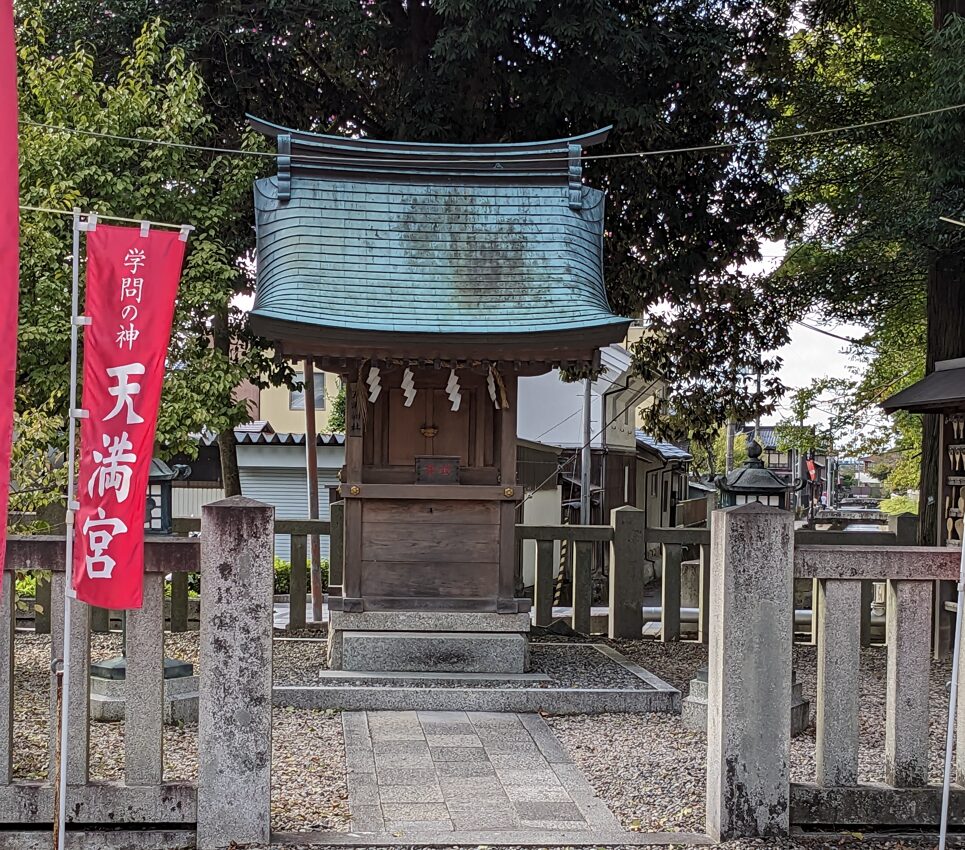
[(627, 558), (749, 683), (234, 723)]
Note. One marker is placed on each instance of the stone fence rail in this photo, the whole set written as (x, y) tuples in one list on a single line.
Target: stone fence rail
[(234, 556), (754, 563)]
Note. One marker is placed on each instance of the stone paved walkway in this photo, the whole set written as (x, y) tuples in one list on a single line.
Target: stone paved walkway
[(466, 776)]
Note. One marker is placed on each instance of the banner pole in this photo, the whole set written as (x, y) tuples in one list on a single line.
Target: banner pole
[(75, 322)]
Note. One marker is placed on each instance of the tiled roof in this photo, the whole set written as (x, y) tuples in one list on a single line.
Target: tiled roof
[(667, 451), (418, 251)]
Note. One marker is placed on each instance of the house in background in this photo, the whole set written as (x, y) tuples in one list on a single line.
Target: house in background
[(285, 408), (272, 469)]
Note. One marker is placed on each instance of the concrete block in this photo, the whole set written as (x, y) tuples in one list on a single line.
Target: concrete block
[(693, 707), (234, 724), (108, 700), (440, 652)]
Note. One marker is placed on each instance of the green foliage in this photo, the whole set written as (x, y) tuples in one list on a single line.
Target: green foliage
[(896, 505), (283, 571), (155, 93), (870, 201), (665, 73), (336, 415)]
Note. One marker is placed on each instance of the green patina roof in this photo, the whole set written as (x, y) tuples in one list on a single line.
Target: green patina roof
[(382, 236)]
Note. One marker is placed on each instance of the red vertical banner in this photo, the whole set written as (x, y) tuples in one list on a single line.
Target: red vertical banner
[(9, 255), (132, 281)]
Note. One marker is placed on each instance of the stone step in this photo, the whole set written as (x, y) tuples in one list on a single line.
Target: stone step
[(428, 680), (434, 652)]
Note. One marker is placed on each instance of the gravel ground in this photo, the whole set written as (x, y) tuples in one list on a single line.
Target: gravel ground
[(650, 769), (308, 757), (299, 663)]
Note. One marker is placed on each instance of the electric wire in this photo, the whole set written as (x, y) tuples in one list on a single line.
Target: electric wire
[(508, 157), (636, 398)]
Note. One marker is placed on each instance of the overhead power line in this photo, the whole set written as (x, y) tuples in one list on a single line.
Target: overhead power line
[(829, 333), (496, 160)]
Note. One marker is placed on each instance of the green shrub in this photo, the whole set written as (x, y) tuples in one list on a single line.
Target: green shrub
[(283, 572)]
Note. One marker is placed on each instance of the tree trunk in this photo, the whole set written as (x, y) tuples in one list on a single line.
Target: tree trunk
[(227, 450), (946, 340), (230, 476)]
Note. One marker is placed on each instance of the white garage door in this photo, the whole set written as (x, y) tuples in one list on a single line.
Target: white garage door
[(287, 490)]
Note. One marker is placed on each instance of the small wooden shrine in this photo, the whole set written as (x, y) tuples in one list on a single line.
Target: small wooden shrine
[(942, 392), (431, 277)]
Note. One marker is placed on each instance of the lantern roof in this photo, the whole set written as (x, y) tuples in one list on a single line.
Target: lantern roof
[(753, 476), (368, 244)]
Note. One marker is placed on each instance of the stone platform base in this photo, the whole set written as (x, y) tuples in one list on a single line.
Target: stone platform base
[(107, 697), (427, 642), (694, 707), (434, 652)]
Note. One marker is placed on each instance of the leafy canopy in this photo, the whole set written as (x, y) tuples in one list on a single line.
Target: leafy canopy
[(156, 93), (665, 73)]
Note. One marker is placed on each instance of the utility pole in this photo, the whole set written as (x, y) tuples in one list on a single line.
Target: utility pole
[(729, 454), (311, 461), (586, 455)]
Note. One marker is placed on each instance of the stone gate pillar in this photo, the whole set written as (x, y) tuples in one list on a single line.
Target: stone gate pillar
[(234, 711), (749, 676)]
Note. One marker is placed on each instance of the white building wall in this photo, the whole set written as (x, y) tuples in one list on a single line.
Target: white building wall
[(541, 508)]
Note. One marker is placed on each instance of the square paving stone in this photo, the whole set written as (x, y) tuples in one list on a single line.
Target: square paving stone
[(561, 812), (465, 768), (457, 790), (412, 760), (431, 729), (503, 733), (362, 790), (412, 794), (406, 776), (418, 827), (367, 819), (527, 777), (359, 761), (442, 716), (519, 761), (397, 733), (412, 747), (440, 754), (395, 812), (490, 719), (508, 745), (538, 794), (454, 740), (478, 816)]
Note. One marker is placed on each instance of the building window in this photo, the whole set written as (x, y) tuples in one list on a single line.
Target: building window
[(296, 398)]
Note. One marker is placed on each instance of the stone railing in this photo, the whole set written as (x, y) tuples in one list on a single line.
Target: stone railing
[(684, 584), (753, 566), (234, 556)]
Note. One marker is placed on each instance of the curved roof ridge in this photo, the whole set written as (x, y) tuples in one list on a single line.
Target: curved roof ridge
[(366, 144)]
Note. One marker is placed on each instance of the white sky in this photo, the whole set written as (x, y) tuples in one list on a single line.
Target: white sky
[(810, 354)]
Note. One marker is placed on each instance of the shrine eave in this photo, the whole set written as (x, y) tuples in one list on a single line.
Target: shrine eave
[(539, 350)]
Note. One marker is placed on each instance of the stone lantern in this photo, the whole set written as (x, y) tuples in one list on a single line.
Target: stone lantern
[(753, 482)]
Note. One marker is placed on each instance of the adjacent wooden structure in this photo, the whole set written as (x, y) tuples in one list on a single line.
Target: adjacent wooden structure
[(431, 277)]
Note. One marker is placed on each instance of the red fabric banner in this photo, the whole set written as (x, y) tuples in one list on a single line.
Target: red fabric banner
[(132, 281), (9, 255)]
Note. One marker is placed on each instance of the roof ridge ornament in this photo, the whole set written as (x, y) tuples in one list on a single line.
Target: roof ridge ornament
[(575, 175), (284, 167)]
